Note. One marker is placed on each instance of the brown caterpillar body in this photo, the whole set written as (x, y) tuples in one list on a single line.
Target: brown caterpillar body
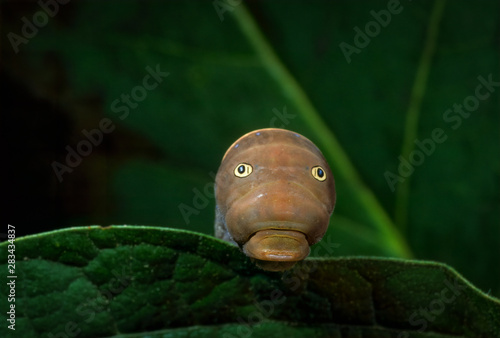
[(275, 193)]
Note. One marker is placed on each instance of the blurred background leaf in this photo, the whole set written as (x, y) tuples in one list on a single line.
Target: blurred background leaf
[(160, 159)]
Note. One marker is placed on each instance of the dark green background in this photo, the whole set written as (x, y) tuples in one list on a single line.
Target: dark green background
[(66, 77)]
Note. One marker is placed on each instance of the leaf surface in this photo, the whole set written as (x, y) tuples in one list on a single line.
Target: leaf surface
[(129, 280)]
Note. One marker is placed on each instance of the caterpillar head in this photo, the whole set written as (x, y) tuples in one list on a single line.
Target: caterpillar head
[(275, 193)]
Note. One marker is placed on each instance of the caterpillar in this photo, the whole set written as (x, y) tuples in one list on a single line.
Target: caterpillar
[(275, 194)]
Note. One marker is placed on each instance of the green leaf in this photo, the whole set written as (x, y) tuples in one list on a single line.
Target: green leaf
[(138, 281), (414, 106)]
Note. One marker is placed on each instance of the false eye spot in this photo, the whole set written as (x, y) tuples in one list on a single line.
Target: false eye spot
[(243, 170), (318, 173)]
